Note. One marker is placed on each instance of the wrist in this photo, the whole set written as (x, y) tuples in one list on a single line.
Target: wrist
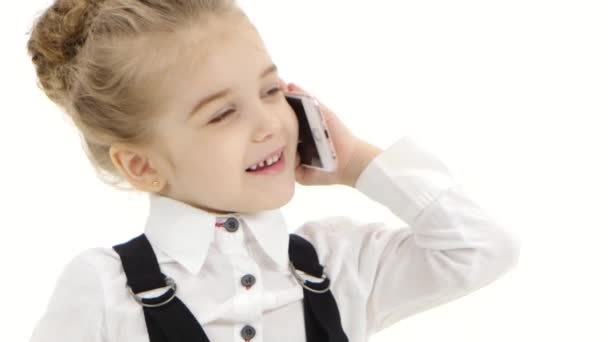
[(364, 155)]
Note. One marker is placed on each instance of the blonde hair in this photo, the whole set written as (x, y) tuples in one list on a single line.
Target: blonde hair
[(85, 62)]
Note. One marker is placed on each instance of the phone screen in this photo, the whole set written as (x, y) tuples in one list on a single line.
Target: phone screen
[(307, 147)]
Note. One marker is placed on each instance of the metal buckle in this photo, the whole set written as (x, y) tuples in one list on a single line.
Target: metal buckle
[(169, 281), (302, 281)]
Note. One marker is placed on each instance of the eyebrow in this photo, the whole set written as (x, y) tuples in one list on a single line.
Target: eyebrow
[(272, 68)]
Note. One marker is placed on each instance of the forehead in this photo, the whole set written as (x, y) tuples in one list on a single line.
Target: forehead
[(206, 55), (205, 44)]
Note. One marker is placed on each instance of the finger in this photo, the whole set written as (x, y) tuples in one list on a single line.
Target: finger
[(295, 87)]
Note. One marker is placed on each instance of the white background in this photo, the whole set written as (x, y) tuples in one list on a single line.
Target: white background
[(511, 94)]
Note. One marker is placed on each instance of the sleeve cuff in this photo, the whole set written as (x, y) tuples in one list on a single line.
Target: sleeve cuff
[(405, 178)]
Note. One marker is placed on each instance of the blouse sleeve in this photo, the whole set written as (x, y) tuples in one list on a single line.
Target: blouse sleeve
[(449, 247), (75, 311)]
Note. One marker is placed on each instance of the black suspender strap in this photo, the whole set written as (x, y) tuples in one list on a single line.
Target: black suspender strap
[(321, 314), (169, 320)]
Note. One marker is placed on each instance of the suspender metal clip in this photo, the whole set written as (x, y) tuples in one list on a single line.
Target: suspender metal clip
[(169, 281), (303, 281)]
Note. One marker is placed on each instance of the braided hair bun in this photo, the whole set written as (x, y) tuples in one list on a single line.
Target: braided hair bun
[(57, 36)]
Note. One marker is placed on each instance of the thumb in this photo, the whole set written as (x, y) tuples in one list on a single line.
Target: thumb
[(304, 175)]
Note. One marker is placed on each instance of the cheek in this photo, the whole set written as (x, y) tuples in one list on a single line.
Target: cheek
[(225, 156), (290, 120)]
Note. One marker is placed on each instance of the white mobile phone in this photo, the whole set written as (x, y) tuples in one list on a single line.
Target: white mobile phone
[(314, 141)]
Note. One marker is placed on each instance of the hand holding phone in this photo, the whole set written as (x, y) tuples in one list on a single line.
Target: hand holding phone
[(337, 157)]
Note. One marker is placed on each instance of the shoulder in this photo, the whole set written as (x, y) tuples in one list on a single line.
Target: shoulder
[(96, 256), (92, 263), (77, 301), (339, 235), (339, 230)]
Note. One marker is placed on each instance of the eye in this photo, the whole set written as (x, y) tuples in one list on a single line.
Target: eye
[(274, 91), (221, 116)]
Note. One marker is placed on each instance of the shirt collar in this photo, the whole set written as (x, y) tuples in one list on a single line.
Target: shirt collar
[(184, 232)]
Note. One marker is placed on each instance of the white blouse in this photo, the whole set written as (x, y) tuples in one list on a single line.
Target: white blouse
[(379, 275)]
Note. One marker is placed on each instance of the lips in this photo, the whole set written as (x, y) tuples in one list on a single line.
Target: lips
[(275, 152)]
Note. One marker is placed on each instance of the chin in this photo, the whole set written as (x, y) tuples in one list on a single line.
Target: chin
[(274, 199)]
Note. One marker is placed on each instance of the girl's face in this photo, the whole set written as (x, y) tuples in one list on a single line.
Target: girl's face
[(205, 147)]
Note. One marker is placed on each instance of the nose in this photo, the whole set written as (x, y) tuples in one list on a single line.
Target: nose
[(267, 123)]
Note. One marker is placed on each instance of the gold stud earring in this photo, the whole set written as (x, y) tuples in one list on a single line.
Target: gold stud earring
[(155, 183)]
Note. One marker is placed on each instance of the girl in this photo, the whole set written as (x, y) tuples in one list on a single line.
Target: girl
[(180, 99)]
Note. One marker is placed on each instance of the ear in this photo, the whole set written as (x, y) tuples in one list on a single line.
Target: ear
[(135, 166)]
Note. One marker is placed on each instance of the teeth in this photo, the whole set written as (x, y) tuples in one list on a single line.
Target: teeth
[(267, 162)]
